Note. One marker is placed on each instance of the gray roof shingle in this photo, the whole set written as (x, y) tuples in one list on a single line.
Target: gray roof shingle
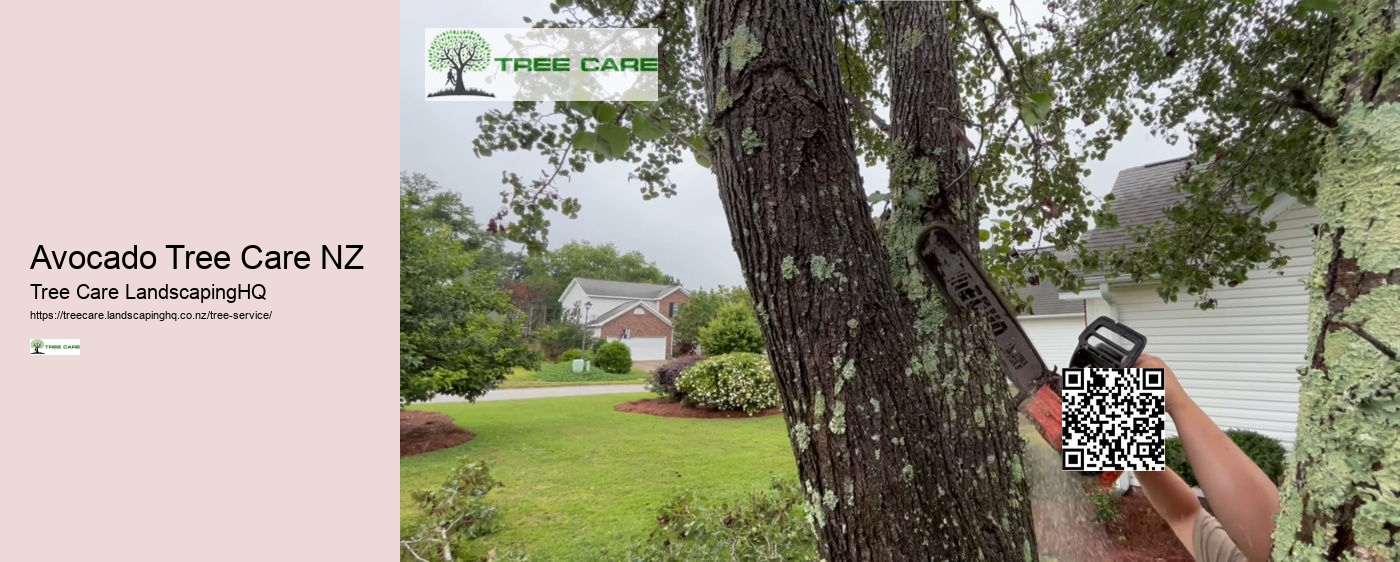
[(1047, 301), (598, 287), (1047, 296), (1139, 196)]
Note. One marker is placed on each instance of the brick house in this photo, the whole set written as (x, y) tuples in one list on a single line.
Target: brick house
[(637, 314)]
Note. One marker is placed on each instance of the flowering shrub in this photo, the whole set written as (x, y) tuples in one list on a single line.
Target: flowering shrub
[(663, 379), (733, 382)]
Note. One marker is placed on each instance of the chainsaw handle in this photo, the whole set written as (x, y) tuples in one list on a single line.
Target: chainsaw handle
[(1107, 354)]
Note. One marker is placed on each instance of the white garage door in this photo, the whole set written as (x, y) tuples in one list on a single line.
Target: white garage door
[(1238, 361), (647, 349), (1054, 337)]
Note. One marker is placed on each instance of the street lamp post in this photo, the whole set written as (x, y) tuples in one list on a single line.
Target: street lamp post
[(583, 342)]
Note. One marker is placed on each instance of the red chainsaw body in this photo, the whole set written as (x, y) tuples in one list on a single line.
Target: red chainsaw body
[(1045, 409)]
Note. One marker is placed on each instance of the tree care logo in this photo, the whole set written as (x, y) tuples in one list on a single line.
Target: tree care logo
[(457, 52), (539, 64), (49, 346)]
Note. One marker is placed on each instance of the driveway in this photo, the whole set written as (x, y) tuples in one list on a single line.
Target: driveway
[(547, 392)]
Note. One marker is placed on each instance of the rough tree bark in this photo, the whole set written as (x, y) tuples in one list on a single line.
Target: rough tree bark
[(1342, 497), (897, 409)]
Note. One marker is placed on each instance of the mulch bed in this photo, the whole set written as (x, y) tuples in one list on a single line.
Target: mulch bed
[(425, 432), (1137, 535), (667, 409)]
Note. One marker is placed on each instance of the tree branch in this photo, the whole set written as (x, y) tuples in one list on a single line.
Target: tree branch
[(868, 113), (982, 17), (1300, 100), (1363, 334), (446, 545), (407, 546)]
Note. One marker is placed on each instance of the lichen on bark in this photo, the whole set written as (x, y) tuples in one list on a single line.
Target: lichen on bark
[(1342, 494)]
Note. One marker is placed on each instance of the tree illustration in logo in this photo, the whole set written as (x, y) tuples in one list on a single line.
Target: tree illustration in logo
[(458, 51), (36, 344)]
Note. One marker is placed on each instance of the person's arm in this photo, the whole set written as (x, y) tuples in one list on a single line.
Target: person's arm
[(1174, 501), (1243, 498)]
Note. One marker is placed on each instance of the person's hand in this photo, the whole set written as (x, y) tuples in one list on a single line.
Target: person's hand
[(1175, 394)]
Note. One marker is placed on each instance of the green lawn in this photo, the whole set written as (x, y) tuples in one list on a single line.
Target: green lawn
[(581, 479), (562, 374)]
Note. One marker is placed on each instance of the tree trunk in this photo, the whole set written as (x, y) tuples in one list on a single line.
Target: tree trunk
[(1341, 497), (458, 83), (931, 160), (905, 443)]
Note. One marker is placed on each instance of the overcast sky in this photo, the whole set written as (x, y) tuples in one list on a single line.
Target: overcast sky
[(686, 235)]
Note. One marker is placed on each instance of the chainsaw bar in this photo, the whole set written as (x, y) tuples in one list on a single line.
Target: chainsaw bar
[(966, 288)]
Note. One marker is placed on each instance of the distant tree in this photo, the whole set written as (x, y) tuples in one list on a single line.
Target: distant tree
[(701, 310), (735, 329), (546, 274), (458, 333), (433, 202), (558, 338)]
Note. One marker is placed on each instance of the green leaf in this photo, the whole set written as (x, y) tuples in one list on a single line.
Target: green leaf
[(585, 140), (878, 197), (1324, 6), (702, 160), (983, 235), (645, 129), (617, 139), (584, 107), (1036, 107), (605, 112)]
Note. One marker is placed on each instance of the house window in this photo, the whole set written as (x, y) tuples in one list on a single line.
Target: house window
[(638, 311), (626, 333), (672, 313)]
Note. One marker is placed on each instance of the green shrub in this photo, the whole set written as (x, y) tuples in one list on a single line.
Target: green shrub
[(733, 382), (734, 330), (1266, 452), (570, 355), (613, 357), (663, 379), (564, 372), (770, 525), (460, 507), (1107, 506)]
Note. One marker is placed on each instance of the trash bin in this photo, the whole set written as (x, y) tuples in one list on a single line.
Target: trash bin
[(578, 365)]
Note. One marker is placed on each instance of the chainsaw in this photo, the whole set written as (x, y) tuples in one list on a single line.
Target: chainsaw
[(966, 287)]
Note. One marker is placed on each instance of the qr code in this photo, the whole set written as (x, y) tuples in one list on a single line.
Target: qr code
[(1113, 419)]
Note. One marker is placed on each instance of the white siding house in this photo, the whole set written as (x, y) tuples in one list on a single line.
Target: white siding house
[(1239, 360), (637, 314), (1053, 323)]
